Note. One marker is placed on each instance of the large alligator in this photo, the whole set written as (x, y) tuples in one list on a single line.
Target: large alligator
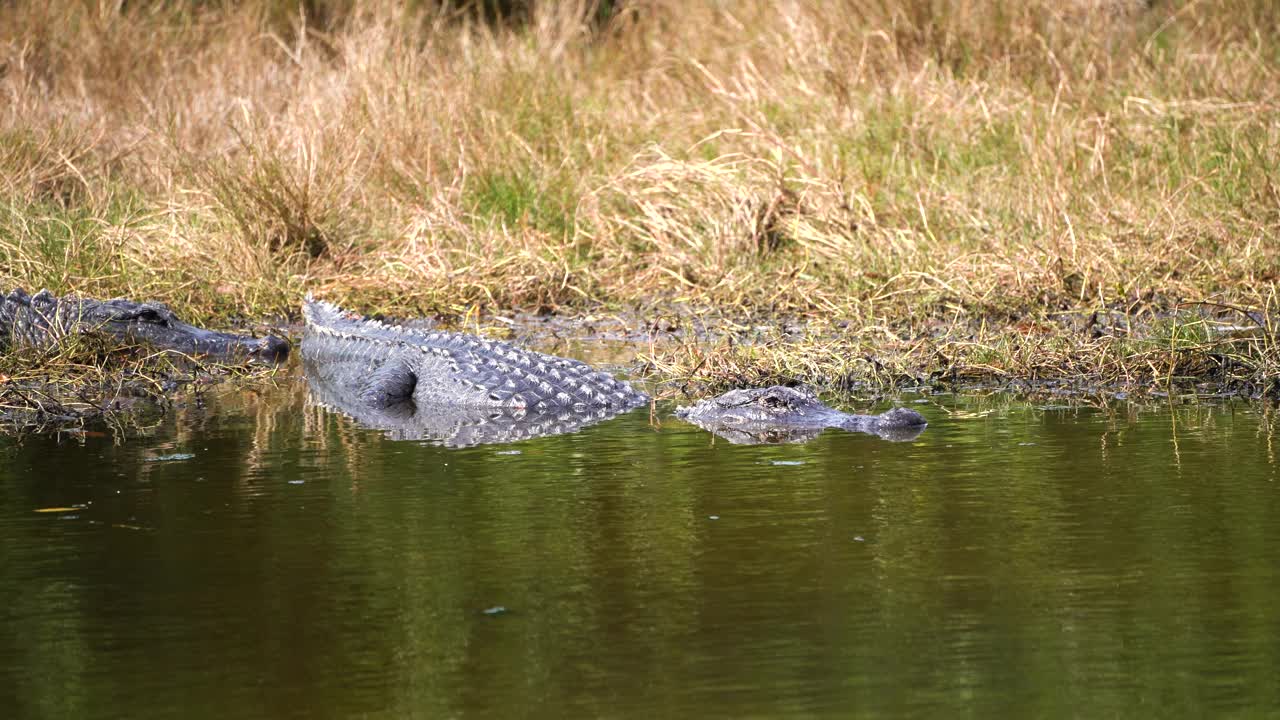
[(44, 319), (453, 388), (460, 389)]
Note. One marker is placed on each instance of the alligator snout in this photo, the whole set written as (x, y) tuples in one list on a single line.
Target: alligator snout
[(272, 349), (901, 417)]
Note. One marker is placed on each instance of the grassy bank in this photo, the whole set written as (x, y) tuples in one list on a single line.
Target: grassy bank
[(966, 189)]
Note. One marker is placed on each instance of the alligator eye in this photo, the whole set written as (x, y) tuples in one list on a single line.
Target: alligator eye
[(773, 401), (151, 315)]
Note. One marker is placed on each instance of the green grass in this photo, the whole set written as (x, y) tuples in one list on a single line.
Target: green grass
[(514, 200)]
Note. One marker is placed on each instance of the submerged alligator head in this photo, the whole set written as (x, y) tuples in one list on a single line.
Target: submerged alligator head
[(781, 414), (43, 319)]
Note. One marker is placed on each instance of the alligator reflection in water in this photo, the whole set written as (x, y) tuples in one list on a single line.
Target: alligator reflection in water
[(451, 425)]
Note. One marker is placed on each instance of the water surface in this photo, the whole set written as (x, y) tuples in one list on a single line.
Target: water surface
[(254, 555)]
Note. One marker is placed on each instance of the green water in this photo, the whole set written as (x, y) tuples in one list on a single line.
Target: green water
[(254, 556)]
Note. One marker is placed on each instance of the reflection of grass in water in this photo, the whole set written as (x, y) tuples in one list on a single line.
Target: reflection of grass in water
[(917, 169), (91, 379)]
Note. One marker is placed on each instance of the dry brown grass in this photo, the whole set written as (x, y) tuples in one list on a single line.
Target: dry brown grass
[(947, 174)]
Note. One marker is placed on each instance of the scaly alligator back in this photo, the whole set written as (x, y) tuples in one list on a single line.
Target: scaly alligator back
[(27, 320), (384, 365)]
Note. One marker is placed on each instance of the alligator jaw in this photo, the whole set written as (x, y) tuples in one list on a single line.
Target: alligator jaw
[(44, 318), (224, 346), (156, 325)]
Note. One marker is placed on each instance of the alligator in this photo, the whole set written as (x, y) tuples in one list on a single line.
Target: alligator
[(459, 389), (781, 414), (44, 319)]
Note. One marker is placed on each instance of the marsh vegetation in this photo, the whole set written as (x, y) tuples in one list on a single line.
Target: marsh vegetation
[(923, 191)]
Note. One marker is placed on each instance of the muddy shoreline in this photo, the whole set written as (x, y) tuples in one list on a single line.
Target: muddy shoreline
[(678, 356)]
